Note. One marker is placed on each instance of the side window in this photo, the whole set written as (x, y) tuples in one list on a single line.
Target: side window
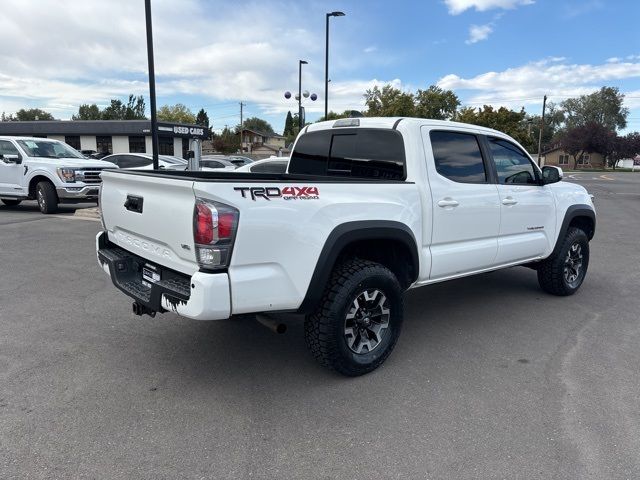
[(458, 157), (512, 165), (354, 153), (8, 148), (117, 159), (136, 162)]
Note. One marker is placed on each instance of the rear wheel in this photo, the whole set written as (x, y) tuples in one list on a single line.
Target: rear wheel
[(9, 202), (47, 197), (563, 272), (358, 321)]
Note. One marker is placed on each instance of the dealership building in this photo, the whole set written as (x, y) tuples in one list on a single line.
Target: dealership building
[(111, 136)]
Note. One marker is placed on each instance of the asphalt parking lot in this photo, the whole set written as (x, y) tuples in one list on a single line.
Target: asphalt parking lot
[(491, 377)]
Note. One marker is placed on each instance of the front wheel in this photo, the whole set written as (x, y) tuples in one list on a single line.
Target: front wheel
[(10, 202), (47, 197), (358, 321), (564, 271)]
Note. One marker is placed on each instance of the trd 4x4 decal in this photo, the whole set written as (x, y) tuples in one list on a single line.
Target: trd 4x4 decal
[(286, 193)]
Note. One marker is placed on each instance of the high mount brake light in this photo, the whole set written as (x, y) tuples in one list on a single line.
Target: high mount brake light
[(214, 231)]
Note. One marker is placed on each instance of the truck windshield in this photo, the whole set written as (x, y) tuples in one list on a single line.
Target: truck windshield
[(49, 149)]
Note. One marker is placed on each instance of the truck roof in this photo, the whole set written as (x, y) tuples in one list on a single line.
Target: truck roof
[(390, 122)]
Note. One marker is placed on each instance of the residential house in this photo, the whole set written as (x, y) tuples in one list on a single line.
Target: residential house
[(265, 144), (558, 157)]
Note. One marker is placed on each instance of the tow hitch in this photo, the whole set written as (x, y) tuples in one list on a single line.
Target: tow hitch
[(142, 310)]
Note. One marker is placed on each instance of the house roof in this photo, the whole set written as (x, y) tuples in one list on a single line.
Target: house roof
[(262, 134)]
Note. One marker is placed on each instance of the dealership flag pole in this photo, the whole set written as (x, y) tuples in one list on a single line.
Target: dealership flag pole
[(152, 86)]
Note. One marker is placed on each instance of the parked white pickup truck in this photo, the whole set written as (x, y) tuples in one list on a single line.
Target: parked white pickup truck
[(47, 170), (368, 208)]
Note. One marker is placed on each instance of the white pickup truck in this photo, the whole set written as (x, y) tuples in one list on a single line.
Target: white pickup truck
[(368, 208), (47, 170)]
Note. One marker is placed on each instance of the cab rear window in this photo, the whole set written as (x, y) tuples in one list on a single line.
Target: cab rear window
[(350, 152)]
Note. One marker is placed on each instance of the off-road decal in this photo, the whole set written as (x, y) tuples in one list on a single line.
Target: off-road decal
[(286, 193)]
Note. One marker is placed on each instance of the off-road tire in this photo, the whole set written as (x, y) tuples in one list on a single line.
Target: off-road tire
[(551, 272), (47, 197), (325, 329), (10, 202)]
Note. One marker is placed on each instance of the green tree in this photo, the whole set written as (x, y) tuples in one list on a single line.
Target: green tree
[(227, 142), (288, 125), (389, 102), (604, 107), (202, 118), (436, 103), (135, 108), (116, 110), (511, 122), (88, 112), (553, 120), (31, 114), (335, 116), (177, 113), (257, 124)]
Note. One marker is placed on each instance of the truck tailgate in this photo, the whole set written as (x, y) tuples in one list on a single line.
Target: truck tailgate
[(151, 217)]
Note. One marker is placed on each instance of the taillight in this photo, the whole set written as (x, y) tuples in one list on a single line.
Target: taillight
[(214, 230)]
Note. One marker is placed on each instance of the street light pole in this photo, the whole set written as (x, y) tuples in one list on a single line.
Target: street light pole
[(300, 63), (326, 62), (152, 86)]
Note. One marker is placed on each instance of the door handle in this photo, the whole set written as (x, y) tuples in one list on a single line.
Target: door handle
[(447, 202), (509, 201)]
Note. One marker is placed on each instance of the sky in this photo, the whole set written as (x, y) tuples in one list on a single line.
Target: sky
[(214, 54)]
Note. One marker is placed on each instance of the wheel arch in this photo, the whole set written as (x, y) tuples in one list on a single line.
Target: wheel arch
[(35, 179), (387, 242), (581, 216)]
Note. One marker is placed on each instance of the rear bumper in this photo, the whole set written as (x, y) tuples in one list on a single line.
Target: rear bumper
[(71, 194), (203, 296)]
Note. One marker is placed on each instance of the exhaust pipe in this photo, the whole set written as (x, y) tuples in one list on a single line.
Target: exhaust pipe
[(140, 310), (272, 324)]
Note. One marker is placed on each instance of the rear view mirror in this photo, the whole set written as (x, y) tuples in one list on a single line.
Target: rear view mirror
[(551, 174), (11, 159)]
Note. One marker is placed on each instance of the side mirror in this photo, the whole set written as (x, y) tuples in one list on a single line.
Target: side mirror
[(551, 174), (11, 159)]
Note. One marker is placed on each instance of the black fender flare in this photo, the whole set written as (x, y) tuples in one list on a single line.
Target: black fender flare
[(345, 234), (574, 211)]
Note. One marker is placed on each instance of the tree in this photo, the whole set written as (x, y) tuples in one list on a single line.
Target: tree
[(335, 116), (177, 113), (31, 114), (257, 124), (625, 147), (553, 119), (511, 122), (389, 102), (227, 141), (604, 107), (288, 125), (7, 118), (589, 138), (88, 112), (436, 103), (135, 108), (202, 118), (115, 111)]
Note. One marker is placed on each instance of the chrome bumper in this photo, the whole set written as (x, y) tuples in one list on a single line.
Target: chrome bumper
[(75, 193)]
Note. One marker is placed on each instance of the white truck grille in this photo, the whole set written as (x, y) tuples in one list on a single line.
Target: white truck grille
[(89, 175)]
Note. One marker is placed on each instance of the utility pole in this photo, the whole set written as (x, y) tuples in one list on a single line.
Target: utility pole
[(241, 127), (326, 61), (544, 107), (152, 86)]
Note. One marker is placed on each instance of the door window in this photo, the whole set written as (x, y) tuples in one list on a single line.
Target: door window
[(458, 157), (512, 165), (103, 144), (8, 148)]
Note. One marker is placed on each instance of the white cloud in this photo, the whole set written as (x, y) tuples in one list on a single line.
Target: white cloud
[(370, 49), (478, 33), (527, 84), (613, 59), (458, 6)]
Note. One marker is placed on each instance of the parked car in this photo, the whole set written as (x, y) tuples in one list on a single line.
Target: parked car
[(239, 160), (267, 165), (368, 208), (144, 161), (210, 162), (48, 171), (88, 153)]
